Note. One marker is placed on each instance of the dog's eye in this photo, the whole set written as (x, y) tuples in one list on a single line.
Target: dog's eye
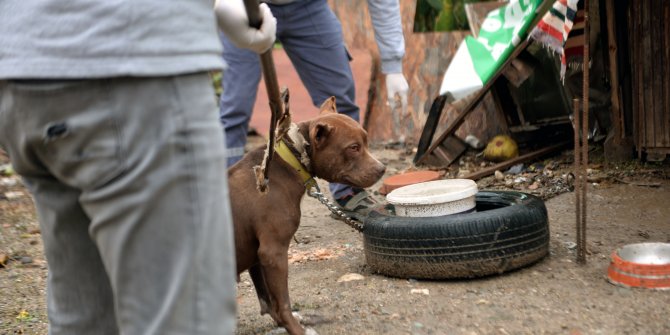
[(355, 147)]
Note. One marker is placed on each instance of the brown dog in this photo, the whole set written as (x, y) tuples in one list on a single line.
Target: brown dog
[(332, 147)]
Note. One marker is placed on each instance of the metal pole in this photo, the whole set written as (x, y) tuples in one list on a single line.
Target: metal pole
[(581, 238), (577, 171)]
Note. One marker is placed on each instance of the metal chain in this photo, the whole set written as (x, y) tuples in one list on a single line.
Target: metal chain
[(315, 192)]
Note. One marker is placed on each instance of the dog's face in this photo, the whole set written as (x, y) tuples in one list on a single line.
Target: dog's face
[(340, 149)]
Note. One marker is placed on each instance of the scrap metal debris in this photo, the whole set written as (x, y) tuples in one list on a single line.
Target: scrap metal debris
[(553, 176), (545, 179)]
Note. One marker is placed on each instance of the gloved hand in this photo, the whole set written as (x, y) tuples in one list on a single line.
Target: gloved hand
[(233, 21), (396, 84)]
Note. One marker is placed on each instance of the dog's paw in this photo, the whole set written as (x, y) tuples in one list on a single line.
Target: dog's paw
[(277, 331), (265, 307), (282, 331), (297, 316)]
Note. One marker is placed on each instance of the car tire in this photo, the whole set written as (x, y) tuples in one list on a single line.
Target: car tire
[(509, 230)]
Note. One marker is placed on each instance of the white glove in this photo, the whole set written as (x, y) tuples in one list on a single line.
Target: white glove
[(396, 84), (233, 21)]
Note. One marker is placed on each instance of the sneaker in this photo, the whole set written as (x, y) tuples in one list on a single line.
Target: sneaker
[(357, 206)]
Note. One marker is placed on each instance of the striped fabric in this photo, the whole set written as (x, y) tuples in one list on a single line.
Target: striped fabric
[(573, 50), (562, 30)]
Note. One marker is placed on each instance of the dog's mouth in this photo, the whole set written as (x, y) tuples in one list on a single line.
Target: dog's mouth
[(358, 172), (362, 181)]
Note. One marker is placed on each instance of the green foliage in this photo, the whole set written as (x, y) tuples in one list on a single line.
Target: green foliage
[(6, 170), (441, 15), (216, 82), (437, 4)]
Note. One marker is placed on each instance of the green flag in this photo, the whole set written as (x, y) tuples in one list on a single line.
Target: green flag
[(477, 59)]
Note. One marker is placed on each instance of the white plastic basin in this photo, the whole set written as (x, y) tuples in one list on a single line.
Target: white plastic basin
[(434, 198)]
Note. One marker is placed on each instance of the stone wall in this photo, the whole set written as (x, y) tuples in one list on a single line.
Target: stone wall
[(427, 56)]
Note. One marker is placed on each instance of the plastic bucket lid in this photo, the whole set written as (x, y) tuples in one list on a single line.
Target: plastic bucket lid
[(433, 192)]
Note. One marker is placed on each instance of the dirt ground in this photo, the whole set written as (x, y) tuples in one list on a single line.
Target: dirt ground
[(626, 204)]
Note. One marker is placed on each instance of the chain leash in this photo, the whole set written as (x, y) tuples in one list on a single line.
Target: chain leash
[(316, 193)]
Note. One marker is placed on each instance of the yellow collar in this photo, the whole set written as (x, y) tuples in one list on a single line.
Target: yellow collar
[(285, 153)]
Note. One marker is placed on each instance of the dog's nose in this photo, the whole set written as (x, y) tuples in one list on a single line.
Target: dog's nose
[(382, 169)]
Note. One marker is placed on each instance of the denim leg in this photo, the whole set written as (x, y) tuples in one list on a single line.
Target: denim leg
[(312, 37), (240, 84), (164, 226), (79, 298), (79, 295), (135, 184)]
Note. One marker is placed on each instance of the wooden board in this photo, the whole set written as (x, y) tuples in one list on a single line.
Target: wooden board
[(649, 27)]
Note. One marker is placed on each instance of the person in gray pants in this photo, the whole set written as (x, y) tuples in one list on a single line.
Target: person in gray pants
[(311, 35), (107, 112)]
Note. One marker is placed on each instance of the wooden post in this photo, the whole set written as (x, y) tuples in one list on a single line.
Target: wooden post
[(277, 106), (617, 118)]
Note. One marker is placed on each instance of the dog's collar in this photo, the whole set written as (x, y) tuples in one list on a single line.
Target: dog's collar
[(287, 155)]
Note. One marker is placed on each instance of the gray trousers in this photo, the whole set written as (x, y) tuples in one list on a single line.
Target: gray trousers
[(129, 180)]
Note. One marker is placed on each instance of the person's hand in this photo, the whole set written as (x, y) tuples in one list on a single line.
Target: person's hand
[(396, 84), (233, 21)]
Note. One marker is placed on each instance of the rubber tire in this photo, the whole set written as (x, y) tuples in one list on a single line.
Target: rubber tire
[(509, 230)]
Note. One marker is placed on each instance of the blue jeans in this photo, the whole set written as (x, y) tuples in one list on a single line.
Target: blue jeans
[(128, 177), (311, 35)]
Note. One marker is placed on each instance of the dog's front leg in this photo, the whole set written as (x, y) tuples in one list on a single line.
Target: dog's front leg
[(274, 262), (256, 273)]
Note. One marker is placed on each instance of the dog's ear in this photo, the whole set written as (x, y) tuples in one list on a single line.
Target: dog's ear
[(318, 133), (328, 106)]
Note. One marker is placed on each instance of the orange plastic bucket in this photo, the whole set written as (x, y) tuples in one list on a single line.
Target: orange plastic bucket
[(407, 178), (645, 265)]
